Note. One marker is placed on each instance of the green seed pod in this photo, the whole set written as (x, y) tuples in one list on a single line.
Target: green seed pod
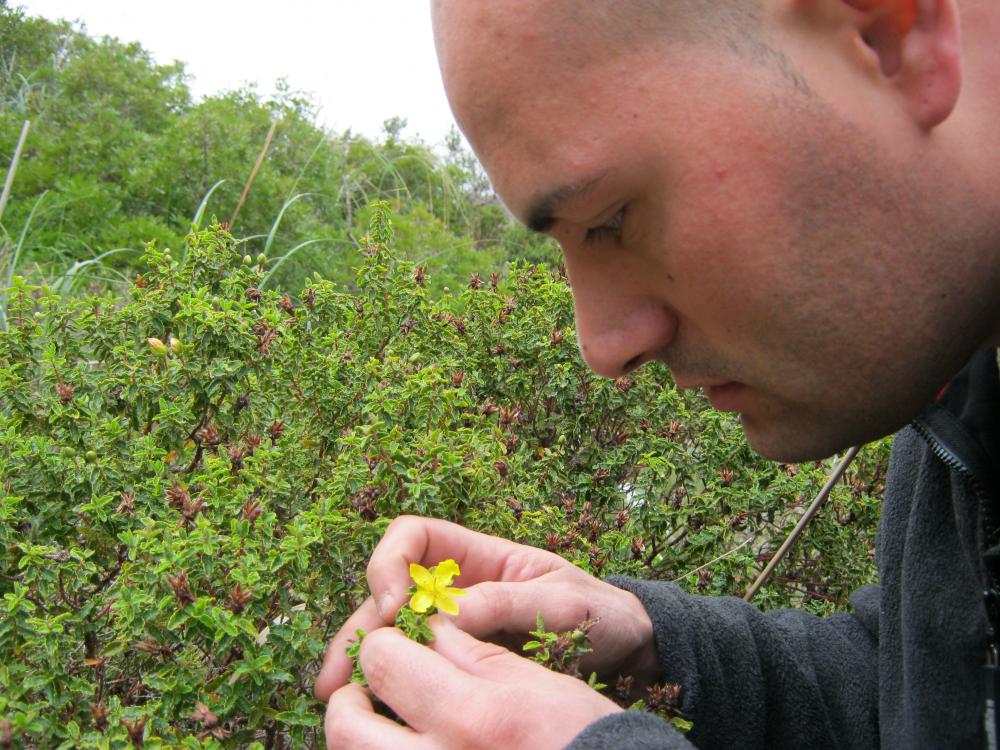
[(247, 260), (158, 347), (69, 451), (90, 457), (261, 259)]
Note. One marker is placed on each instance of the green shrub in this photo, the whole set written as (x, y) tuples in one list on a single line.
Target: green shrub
[(185, 522)]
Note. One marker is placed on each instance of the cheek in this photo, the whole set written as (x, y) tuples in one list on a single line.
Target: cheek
[(726, 239)]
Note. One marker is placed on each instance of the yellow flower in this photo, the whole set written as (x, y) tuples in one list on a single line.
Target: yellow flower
[(434, 587)]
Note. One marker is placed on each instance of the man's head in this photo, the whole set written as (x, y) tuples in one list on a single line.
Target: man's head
[(787, 201)]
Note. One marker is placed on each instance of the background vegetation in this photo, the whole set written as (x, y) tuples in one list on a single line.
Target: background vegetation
[(200, 447), (119, 154)]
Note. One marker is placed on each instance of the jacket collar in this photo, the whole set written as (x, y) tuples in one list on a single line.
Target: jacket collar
[(963, 424)]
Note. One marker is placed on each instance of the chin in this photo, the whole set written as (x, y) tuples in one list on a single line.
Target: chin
[(795, 444)]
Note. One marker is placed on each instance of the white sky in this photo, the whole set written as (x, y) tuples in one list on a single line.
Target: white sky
[(362, 60)]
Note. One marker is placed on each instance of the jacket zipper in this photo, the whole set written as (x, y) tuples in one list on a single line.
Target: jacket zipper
[(991, 590)]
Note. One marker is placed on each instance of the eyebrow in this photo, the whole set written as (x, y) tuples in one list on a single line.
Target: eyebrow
[(541, 214)]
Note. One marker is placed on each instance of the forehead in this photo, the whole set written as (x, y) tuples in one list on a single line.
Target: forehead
[(527, 90), (551, 117), (493, 55), (545, 90)]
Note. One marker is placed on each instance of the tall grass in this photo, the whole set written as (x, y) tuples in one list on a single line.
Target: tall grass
[(14, 250)]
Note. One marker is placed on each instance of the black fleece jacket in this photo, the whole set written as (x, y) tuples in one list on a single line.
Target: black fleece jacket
[(902, 670)]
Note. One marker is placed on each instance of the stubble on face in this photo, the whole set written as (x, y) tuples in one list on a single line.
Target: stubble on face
[(827, 324)]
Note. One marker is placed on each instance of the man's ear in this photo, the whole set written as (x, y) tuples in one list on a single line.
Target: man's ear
[(919, 50)]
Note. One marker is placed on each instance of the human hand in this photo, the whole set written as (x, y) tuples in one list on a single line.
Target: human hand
[(508, 584), (458, 693)]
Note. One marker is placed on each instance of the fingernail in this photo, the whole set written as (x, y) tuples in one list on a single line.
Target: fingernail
[(384, 606), (440, 622)]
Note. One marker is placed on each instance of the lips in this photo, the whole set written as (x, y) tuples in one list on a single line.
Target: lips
[(724, 395)]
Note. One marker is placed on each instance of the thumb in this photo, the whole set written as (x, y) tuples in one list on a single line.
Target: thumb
[(486, 660)]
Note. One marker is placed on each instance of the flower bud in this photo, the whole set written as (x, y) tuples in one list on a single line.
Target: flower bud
[(176, 346), (158, 347)]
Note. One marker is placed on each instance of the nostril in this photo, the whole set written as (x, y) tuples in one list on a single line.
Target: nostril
[(632, 364)]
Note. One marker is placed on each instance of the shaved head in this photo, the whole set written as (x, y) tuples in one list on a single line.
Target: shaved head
[(734, 23), (574, 35)]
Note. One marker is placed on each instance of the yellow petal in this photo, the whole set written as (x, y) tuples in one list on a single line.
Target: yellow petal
[(456, 592), (421, 602), (421, 576), (445, 603), (445, 572)]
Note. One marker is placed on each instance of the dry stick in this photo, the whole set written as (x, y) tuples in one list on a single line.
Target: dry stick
[(811, 511), (253, 173), (13, 166)]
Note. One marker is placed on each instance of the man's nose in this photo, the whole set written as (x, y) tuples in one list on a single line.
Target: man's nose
[(620, 323)]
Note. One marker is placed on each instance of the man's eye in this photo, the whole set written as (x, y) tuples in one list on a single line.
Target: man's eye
[(609, 230)]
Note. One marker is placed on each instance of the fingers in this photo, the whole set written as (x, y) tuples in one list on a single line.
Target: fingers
[(493, 608), (352, 724), (420, 686), (462, 692), (485, 660), (507, 612), (428, 541), (526, 704), (336, 670)]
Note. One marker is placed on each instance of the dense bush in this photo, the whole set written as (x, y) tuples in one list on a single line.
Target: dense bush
[(193, 479)]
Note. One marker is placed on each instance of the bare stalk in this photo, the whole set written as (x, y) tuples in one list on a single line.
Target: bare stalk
[(811, 511), (253, 173)]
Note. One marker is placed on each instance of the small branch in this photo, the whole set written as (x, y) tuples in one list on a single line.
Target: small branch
[(253, 173), (811, 511), (723, 556), (195, 461), (38, 603), (301, 397), (62, 593), (677, 538), (652, 554), (122, 553)]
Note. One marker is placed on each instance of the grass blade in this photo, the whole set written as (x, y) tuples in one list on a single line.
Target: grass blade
[(292, 252), (67, 281), (13, 261), (200, 213), (277, 220)]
